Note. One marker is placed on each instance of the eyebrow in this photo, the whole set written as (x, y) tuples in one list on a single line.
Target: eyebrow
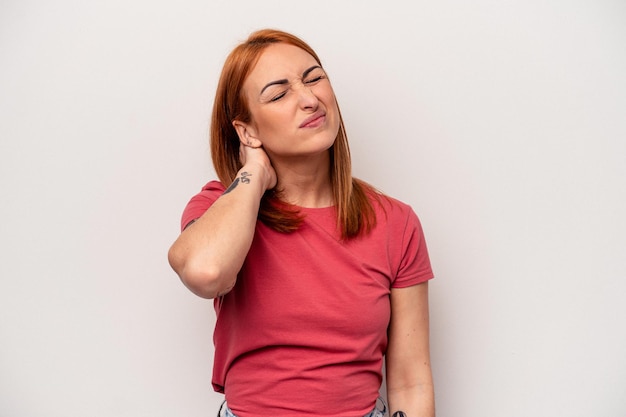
[(286, 81)]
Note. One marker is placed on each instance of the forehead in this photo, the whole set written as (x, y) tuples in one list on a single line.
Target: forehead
[(279, 61)]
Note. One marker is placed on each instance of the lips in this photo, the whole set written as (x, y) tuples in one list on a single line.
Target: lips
[(314, 120)]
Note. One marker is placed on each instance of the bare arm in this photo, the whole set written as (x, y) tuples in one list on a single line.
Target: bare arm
[(210, 252), (409, 377)]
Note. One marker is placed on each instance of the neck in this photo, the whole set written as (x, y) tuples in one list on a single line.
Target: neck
[(305, 183)]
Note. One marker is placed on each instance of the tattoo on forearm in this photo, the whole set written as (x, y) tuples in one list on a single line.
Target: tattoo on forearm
[(244, 179), (399, 414), (232, 186)]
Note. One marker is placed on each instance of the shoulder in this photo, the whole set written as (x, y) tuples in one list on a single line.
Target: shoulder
[(389, 207), (201, 202), (207, 195), (379, 200), (209, 192), (213, 187), (396, 218)]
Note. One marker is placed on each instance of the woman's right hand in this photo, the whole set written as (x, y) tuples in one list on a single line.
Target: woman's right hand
[(249, 155)]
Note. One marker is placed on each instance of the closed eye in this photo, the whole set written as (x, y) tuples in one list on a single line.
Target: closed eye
[(314, 80), (310, 77), (279, 96)]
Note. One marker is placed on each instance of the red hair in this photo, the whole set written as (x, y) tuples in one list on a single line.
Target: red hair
[(355, 214)]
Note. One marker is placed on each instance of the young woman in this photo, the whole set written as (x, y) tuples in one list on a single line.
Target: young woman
[(316, 277)]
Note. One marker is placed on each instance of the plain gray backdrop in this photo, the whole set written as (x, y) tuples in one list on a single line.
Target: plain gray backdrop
[(503, 123)]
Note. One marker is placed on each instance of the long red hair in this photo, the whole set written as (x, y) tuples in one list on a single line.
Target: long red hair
[(355, 213)]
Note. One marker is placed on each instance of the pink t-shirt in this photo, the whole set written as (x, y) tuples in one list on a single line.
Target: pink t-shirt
[(304, 330)]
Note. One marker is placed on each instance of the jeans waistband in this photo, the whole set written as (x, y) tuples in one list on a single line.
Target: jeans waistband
[(380, 410)]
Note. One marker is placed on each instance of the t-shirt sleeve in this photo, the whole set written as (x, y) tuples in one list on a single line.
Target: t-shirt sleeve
[(201, 202), (415, 265)]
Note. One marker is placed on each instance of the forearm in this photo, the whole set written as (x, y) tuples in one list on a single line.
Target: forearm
[(209, 253), (417, 401), (409, 375)]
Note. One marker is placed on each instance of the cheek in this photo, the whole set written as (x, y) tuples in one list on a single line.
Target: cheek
[(272, 128), (325, 92), (333, 109), (269, 121), (328, 97)]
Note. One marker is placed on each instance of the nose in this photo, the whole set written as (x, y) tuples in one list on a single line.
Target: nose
[(306, 97)]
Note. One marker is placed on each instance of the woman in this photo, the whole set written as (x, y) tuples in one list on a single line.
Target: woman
[(316, 277)]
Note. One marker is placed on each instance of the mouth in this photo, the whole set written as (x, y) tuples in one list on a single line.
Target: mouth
[(314, 120)]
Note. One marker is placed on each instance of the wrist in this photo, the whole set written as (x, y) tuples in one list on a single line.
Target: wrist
[(252, 177), (257, 174)]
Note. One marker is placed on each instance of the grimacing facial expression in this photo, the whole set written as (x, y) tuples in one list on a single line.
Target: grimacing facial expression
[(292, 104)]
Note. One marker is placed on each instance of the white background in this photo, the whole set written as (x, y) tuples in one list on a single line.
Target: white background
[(503, 123)]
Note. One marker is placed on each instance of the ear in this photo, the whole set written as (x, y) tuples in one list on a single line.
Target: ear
[(247, 134)]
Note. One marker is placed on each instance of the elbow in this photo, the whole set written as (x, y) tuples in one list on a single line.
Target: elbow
[(204, 279), (205, 282)]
